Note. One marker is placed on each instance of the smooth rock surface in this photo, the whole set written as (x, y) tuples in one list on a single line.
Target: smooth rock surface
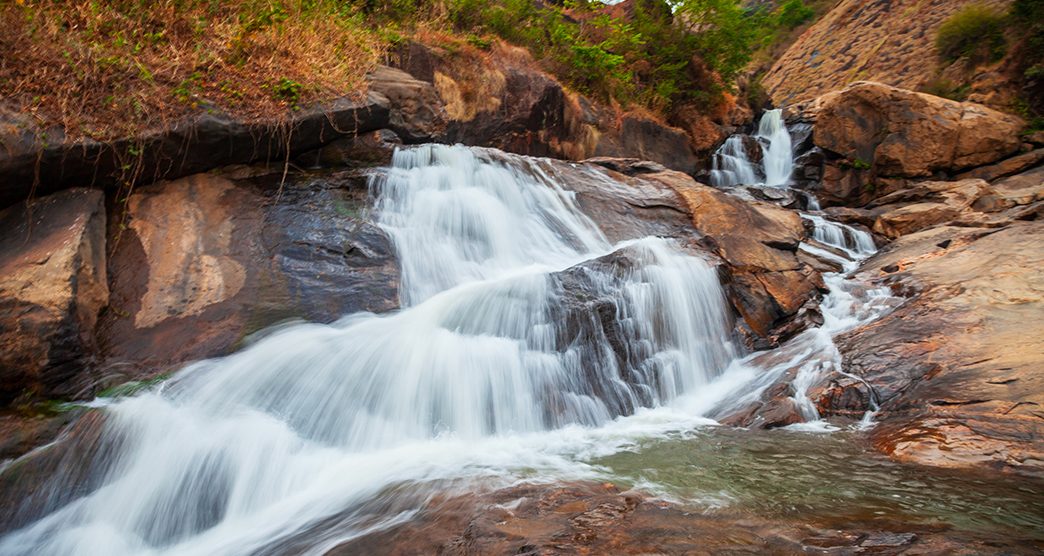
[(956, 369)]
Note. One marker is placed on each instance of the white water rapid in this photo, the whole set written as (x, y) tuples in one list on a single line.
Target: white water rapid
[(527, 346), (732, 164), (493, 362)]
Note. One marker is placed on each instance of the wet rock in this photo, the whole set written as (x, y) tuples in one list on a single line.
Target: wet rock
[(768, 283), (417, 114), (55, 475), (205, 261), (955, 367), (197, 144), (52, 287), (591, 518)]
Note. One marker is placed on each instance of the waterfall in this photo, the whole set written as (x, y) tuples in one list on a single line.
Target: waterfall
[(520, 319), (778, 156), (732, 164)]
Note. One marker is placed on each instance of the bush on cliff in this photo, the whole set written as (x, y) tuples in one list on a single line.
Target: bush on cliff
[(975, 32)]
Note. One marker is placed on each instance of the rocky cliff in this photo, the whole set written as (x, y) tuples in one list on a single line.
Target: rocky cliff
[(888, 41)]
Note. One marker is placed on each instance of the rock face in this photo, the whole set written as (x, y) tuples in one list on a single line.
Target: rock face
[(30, 155), (891, 41), (768, 285), (205, 260), (504, 101), (588, 518), (52, 287), (956, 368), (879, 135), (417, 114)]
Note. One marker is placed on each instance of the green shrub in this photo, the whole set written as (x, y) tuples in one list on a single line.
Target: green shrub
[(792, 13), (975, 31)]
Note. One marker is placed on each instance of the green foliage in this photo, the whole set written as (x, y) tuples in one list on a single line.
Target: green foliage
[(792, 13), (658, 57), (287, 90), (975, 31), (1027, 21)]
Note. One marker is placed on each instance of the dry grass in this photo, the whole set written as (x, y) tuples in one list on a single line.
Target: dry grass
[(108, 69)]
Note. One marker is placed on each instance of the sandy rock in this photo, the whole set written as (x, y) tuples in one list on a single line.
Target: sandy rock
[(52, 287)]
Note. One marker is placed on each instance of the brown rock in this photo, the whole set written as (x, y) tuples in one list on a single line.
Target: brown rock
[(417, 113), (933, 203), (899, 133), (204, 261), (1006, 167), (759, 241), (52, 287)]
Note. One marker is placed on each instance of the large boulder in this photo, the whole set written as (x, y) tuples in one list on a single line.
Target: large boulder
[(881, 132), (52, 288), (768, 285), (956, 369)]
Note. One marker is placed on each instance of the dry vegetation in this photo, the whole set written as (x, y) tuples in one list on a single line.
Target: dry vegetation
[(106, 69)]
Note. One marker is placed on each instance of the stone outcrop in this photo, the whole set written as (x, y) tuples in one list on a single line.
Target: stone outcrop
[(505, 101), (41, 161), (52, 288), (417, 114), (956, 368), (890, 41), (878, 137)]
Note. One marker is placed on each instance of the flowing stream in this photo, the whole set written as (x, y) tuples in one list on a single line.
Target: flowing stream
[(528, 348)]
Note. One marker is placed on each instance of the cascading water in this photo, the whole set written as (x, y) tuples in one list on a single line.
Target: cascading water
[(778, 157), (490, 361), (732, 163)]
